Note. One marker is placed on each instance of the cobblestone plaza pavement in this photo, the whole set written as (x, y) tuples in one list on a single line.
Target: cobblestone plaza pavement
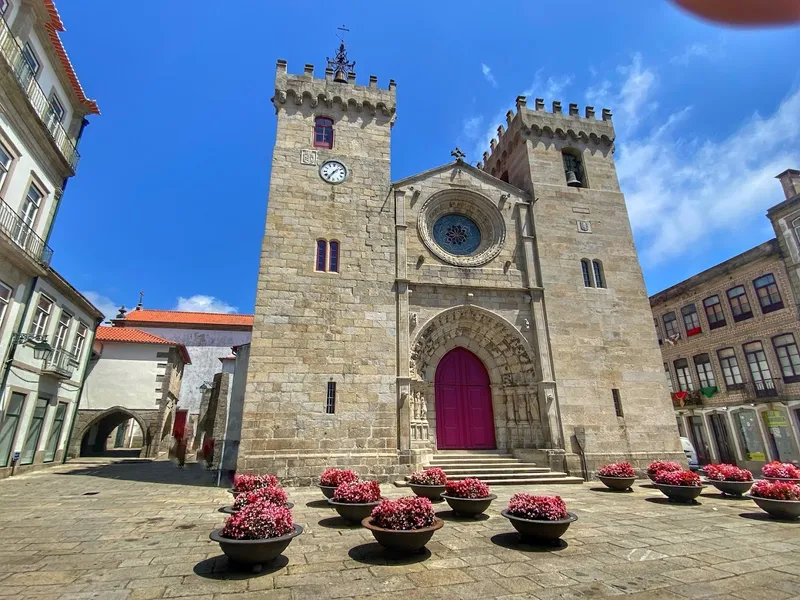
[(129, 531)]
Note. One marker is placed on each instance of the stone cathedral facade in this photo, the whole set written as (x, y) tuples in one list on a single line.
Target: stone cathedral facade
[(492, 307)]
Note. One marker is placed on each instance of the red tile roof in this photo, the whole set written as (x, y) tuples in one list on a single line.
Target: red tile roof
[(137, 336), (53, 26), (145, 316)]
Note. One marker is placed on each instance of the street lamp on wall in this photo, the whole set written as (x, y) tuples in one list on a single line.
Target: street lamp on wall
[(41, 349)]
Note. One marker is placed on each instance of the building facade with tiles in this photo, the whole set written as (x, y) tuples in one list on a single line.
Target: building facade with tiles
[(463, 308), (43, 112), (729, 342)]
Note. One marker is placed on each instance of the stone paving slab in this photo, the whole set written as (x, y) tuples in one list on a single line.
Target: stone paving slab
[(139, 531)]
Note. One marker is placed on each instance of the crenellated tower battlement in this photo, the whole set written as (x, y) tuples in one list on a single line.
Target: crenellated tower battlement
[(331, 92), (527, 123)]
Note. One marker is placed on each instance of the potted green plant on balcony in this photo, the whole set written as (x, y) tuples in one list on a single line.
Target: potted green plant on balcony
[(273, 493), (248, 482), (469, 497), (778, 471), (403, 525), (538, 518), (729, 479), (617, 476), (354, 500), (660, 465), (333, 478), (257, 534), (780, 499), (428, 483), (679, 486)]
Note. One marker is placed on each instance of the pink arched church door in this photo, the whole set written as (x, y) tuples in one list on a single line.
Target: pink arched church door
[(464, 419)]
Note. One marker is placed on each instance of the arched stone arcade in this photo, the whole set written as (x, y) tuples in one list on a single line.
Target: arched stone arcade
[(149, 422)]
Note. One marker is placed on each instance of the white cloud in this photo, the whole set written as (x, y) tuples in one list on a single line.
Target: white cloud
[(631, 99), (487, 75), (201, 303), (106, 305), (472, 126), (695, 50)]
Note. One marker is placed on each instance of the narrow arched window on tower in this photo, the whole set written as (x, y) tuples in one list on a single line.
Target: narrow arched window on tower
[(599, 276), (323, 132), (322, 254), (573, 168), (333, 256), (587, 275)]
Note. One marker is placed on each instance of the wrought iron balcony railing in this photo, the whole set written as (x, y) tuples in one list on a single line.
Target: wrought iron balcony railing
[(61, 363), (12, 53), (763, 389), (12, 225)]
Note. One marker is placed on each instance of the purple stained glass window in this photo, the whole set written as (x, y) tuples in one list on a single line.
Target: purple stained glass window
[(457, 234), (333, 259), (322, 247)]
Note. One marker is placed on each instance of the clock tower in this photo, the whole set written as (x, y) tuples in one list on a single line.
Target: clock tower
[(322, 372)]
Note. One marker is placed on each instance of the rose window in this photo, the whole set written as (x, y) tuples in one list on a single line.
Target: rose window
[(457, 234)]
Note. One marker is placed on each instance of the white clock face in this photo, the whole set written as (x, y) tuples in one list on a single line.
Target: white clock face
[(333, 171)]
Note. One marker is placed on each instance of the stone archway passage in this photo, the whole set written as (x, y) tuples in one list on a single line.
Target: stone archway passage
[(463, 400), (104, 422)]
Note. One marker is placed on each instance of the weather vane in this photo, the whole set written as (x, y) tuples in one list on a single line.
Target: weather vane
[(340, 65)]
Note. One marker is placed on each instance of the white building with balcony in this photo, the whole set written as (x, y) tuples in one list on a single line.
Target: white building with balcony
[(43, 111)]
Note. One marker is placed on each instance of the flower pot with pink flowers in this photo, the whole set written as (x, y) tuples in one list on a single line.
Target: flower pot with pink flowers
[(539, 518), (469, 497), (273, 493), (617, 476), (729, 479), (679, 486), (428, 483), (333, 478), (249, 482), (354, 500), (403, 525), (257, 534), (780, 499), (778, 471), (662, 465)]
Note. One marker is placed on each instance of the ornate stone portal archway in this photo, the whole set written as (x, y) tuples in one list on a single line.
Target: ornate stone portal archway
[(509, 360)]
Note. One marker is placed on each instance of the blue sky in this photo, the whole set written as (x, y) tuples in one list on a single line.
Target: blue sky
[(172, 186)]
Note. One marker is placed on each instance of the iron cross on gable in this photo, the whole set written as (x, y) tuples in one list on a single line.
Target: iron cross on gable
[(458, 154)]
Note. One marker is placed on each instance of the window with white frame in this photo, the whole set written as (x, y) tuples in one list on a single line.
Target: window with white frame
[(28, 212), (788, 356), (684, 377), (5, 163), (759, 368), (30, 57), (80, 339), (5, 300), (730, 368), (56, 108), (705, 372), (62, 330), (42, 317)]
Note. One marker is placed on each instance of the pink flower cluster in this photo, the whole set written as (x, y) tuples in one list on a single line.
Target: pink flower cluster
[(686, 478), (357, 492), (726, 472), (781, 470), (622, 469), (403, 514), (466, 488), (336, 477), (432, 476), (272, 493), (259, 521), (661, 465), (776, 490), (247, 482), (538, 508)]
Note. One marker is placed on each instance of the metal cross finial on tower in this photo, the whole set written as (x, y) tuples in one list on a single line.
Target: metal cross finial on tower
[(141, 300), (340, 65), (458, 154)]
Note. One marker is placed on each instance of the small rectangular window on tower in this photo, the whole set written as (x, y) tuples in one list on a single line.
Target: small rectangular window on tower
[(617, 402), (330, 399)]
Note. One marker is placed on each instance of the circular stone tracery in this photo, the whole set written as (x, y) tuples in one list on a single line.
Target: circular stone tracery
[(461, 227)]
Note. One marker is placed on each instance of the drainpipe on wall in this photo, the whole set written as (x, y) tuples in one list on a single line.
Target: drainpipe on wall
[(86, 361), (12, 347)]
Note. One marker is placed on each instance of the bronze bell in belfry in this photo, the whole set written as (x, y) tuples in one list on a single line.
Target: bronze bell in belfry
[(572, 180)]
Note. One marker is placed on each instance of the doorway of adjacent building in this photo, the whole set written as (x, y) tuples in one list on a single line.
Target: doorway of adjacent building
[(464, 416), (722, 438), (699, 440)]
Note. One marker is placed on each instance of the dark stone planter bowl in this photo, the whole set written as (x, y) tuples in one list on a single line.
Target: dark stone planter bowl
[(232, 511), (731, 488), (651, 476), (433, 492), (534, 530), (327, 490), (254, 552), (680, 493), (780, 509), (618, 484), (785, 479), (354, 512), (469, 507), (403, 541)]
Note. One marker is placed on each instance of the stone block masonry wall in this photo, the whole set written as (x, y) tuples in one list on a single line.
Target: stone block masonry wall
[(311, 327)]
